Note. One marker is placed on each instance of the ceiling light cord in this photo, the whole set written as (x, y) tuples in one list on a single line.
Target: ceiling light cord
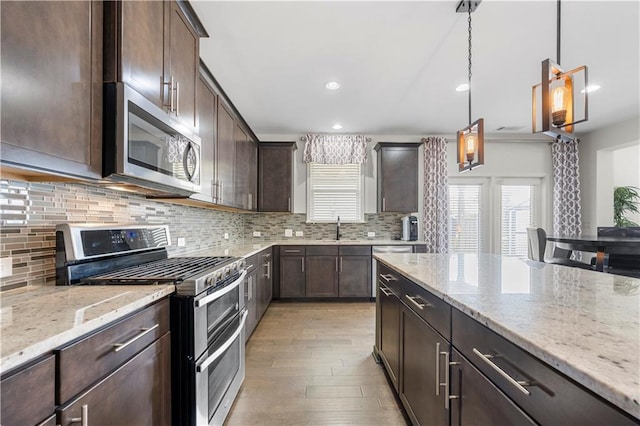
[(469, 78), (558, 34)]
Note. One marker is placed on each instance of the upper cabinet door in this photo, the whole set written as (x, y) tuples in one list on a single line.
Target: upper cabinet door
[(397, 177), (183, 64), (275, 176), (51, 62), (226, 150), (142, 47), (206, 129)]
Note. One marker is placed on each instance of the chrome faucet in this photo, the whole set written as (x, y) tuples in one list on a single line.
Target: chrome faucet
[(338, 229)]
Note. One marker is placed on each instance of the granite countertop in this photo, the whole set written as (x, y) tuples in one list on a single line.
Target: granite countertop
[(585, 324), (35, 320), (251, 247)]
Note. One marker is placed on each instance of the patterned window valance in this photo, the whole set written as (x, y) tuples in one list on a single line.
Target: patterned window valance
[(335, 149)]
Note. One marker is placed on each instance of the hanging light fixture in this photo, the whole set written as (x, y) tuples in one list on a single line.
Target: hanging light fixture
[(557, 100), (470, 140)]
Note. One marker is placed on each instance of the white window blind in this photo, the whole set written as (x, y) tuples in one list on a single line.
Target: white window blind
[(465, 233), (517, 207), (334, 190)]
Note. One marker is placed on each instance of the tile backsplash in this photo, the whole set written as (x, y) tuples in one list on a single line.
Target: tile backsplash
[(271, 226), (29, 212)]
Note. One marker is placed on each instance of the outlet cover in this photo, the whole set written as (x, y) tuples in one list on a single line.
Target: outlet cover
[(181, 242), (6, 267), (371, 234), (256, 233), (226, 235), (299, 234), (288, 233)]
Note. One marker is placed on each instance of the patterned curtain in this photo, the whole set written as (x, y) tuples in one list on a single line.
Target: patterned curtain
[(335, 149), (567, 219), (436, 197)]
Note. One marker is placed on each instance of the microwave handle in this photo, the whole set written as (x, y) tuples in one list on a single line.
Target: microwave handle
[(185, 161)]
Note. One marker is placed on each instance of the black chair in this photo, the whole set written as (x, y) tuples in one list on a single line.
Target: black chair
[(537, 238), (621, 264)]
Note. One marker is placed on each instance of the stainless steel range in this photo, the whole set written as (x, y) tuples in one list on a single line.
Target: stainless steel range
[(207, 311)]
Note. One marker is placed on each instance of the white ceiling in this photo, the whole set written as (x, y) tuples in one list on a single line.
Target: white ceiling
[(399, 62)]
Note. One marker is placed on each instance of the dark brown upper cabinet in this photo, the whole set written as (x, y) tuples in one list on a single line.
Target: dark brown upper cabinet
[(397, 177), (154, 47), (207, 106), (275, 176), (245, 169), (51, 56)]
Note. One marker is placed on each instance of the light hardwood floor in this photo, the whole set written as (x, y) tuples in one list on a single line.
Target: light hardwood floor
[(311, 364)]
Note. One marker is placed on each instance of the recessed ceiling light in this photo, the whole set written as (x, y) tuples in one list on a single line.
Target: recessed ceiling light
[(332, 85), (337, 126), (590, 88), (462, 87)]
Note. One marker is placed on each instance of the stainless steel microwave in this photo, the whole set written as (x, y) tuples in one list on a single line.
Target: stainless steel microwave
[(144, 147)]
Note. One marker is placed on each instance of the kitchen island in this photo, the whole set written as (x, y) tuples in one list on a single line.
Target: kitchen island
[(583, 324)]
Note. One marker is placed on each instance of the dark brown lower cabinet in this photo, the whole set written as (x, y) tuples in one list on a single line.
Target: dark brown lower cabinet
[(322, 276), (355, 276), (137, 393), (479, 402), (292, 276), (28, 395), (389, 350), (423, 381)]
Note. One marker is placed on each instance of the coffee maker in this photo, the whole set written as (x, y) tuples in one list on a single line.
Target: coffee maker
[(409, 228)]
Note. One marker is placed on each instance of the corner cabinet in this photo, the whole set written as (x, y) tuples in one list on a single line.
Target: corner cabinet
[(275, 176), (397, 180), (51, 66), (154, 47)]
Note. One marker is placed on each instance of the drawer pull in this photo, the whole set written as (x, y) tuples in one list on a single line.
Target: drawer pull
[(388, 277), (520, 385), (386, 292), (419, 305), (84, 417), (437, 368), (292, 251), (117, 347)]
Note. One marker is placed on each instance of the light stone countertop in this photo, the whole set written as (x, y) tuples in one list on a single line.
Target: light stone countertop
[(36, 320), (585, 324)]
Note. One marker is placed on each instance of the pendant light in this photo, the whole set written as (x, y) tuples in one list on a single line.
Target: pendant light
[(470, 140), (556, 100)]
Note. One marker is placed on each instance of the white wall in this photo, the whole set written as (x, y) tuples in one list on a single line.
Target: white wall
[(597, 165), (502, 159)]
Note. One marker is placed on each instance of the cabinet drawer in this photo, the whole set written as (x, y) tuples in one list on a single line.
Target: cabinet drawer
[(28, 394), (390, 279), (430, 308), (552, 398), (251, 263), (355, 250), (292, 250), (322, 250), (89, 359), (265, 255)]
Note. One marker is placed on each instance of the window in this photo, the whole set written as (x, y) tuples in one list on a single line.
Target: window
[(334, 190), (465, 231), (517, 211), (492, 215)]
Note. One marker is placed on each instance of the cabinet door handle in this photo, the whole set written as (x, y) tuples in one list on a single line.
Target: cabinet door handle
[(520, 385), (302, 263), (388, 277), (437, 368), (421, 306), (117, 347), (384, 204), (177, 98), (289, 204), (221, 189), (446, 380), (84, 417), (386, 292), (340, 264), (337, 264), (170, 93)]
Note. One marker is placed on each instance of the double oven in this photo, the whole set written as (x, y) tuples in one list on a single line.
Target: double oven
[(207, 311)]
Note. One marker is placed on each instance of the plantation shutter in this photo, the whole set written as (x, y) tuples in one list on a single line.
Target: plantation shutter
[(464, 219)]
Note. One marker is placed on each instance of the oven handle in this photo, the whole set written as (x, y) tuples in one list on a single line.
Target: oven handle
[(222, 349), (218, 294)]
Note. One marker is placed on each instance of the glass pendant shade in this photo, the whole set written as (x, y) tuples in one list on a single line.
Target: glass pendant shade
[(470, 142)]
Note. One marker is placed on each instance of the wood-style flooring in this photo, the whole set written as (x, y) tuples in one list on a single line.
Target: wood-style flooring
[(311, 364)]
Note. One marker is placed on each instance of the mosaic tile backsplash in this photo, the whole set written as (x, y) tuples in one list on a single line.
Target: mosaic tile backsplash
[(29, 212)]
